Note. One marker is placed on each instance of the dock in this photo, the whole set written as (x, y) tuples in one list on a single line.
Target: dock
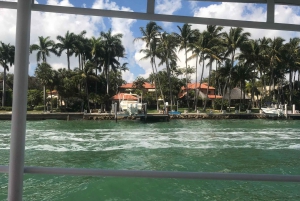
[(152, 117)]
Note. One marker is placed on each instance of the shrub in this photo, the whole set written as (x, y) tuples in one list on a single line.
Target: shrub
[(218, 103), (39, 108), (6, 108)]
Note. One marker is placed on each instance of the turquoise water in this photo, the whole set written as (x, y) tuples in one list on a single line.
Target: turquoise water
[(242, 146)]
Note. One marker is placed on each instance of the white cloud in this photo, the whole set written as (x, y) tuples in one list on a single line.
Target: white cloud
[(49, 24), (167, 7)]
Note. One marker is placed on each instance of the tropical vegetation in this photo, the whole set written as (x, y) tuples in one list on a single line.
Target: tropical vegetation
[(266, 68)]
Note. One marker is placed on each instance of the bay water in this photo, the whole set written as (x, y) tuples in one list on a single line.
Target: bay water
[(229, 146)]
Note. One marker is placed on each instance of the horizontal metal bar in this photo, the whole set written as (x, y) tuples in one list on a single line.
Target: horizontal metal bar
[(9, 5), (235, 1), (166, 18), (157, 174), (279, 2)]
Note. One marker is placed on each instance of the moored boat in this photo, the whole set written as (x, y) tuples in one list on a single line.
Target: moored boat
[(131, 104)]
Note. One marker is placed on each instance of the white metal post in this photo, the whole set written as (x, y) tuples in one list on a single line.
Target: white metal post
[(18, 127)]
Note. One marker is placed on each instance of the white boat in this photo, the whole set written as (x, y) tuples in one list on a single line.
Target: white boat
[(131, 104), (272, 112)]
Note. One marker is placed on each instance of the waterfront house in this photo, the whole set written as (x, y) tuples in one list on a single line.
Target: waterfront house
[(129, 87), (201, 90)]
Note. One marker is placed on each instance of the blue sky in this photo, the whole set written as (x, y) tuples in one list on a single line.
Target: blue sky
[(49, 24)]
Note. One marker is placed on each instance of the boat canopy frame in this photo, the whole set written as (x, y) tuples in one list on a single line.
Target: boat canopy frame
[(24, 8)]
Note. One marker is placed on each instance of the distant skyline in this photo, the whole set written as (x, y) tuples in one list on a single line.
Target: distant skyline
[(50, 24)]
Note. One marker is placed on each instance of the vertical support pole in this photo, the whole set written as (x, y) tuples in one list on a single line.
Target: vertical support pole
[(19, 111), (294, 109), (150, 6), (285, 109), (270, 11)]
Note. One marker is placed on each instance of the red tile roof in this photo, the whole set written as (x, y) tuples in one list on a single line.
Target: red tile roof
[(209, 96), (214, 96), (197, 85), (126, 96), (130, 86)]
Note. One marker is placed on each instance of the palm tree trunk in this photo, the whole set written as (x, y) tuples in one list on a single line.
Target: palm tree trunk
[(195, 105), (170, 84), (3, 87), (159, 83), (152, 61), (241, 97), (87, 94), (291, 88), (51, 99), (207, 89), (216, 79), (68, 57), (107, 81), (200, 82), (186, 81), (107, 74), (232, 62), (44, 98), (79, 62)]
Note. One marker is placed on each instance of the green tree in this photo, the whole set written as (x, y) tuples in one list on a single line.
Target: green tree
[(233, 41), (167, 55), (113, 49), (186, 36), (44, 48), (44, 73), (150, 35), (7, 55), (66, 43)]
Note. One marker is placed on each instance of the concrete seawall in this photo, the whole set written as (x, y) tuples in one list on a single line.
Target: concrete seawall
[(57, 116), (107, 116)]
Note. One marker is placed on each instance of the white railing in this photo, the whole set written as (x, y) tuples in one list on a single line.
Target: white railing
[(24, 8), (157, 174)]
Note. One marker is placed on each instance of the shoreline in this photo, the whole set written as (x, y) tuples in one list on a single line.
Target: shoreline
[(111, 116)]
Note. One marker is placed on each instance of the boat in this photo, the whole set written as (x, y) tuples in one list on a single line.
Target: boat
[(173, 112), (272, 112), (131, 104)]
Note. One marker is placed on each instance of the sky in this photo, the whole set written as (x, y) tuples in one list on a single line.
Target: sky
[(52, 25)]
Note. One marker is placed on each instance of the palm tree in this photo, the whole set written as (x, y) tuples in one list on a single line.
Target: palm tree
[(233, 40), (291, 53), (44, 48), (264, 46), (251, 55), (241, 73), (150, 35), (274, 56), (197, 49), (214, 44), (66, 43), (186, 36), (113, 48), (85, 76), (167, 55), (43, 72), (7, 56), (78, 48)]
